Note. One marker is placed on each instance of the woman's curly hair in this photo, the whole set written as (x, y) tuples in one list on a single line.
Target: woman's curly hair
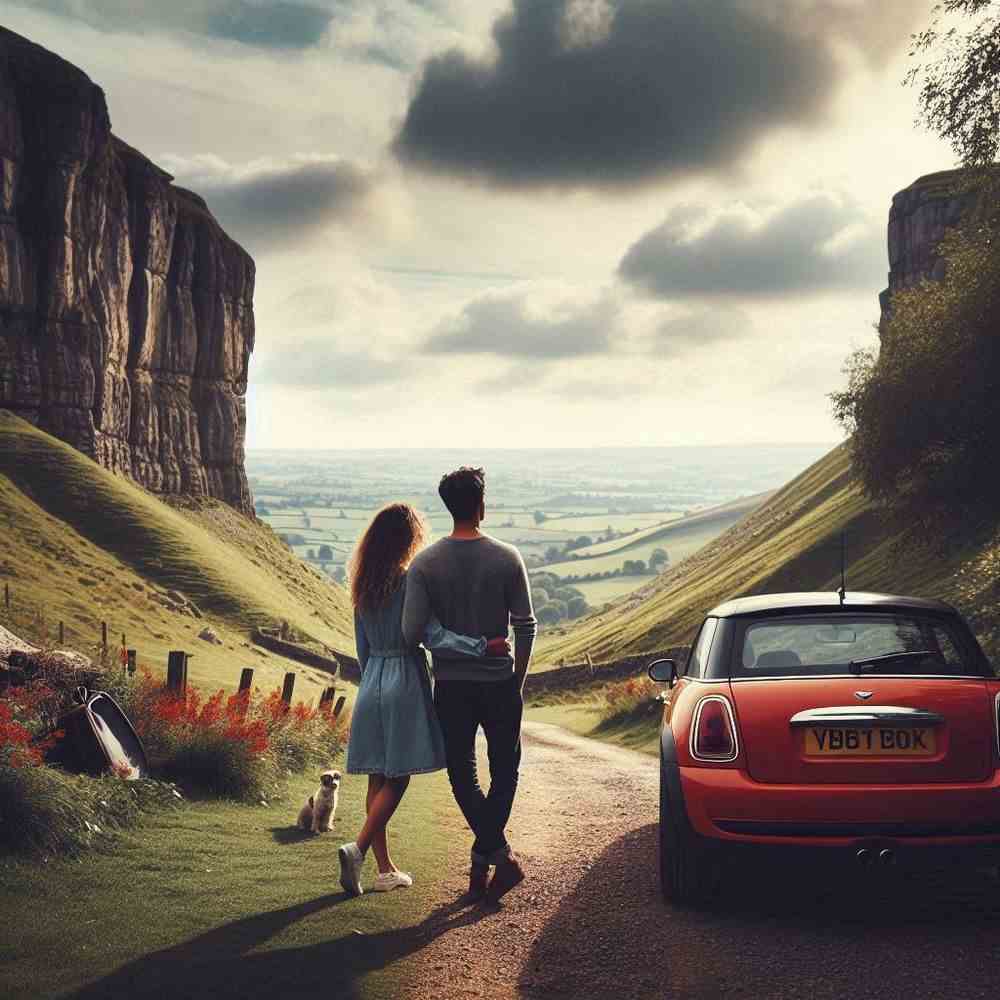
[(395, 535)]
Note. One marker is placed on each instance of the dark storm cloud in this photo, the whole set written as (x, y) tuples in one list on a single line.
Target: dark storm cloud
[(614, 92), (284, 205), (278, 24), (507, 326), (795, 251)]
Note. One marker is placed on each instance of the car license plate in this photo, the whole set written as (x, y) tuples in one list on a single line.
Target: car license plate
[(874, 742)]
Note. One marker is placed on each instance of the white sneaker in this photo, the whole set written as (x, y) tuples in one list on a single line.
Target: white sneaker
[(387, 881), (351, 861)]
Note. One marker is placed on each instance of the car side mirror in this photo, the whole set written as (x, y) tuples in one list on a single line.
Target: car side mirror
[(663, 672)]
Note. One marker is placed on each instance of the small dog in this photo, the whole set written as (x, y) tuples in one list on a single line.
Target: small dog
[(320, 809)]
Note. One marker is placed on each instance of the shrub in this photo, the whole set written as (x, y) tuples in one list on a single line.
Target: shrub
[(45, 811), (924, 411), (630, 699), (239, 746)]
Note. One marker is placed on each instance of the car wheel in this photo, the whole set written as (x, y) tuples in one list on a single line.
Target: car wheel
[(682, 863)]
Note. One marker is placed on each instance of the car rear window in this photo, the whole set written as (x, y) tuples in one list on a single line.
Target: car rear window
[(863, 644)]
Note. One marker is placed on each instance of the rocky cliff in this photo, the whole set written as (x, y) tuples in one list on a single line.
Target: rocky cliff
[(918, 219), (126, 313)]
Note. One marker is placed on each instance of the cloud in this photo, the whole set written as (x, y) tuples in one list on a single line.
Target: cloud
[(269, 204), (272, 24), (680, 335), (516, 324), (615, 92), (814, 244)]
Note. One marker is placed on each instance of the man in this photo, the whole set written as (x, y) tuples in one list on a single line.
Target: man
[(476, 585)]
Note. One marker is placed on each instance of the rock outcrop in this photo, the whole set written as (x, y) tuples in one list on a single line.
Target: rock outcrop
[(918, 220), (126, 313)]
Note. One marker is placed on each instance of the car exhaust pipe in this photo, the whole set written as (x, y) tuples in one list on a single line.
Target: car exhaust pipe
[(864, 857), (886, 857)]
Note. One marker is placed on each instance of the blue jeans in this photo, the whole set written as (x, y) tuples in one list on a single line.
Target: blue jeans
[(462, 707)]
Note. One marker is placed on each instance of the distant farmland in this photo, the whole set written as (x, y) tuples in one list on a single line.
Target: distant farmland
[(680, 538)]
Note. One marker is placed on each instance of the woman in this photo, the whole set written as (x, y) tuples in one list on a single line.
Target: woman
[(394, 730)]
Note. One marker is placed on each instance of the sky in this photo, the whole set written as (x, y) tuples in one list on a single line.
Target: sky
[(521, 223)]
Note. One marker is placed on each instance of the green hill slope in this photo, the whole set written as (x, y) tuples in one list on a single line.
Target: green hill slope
[(82, 546), (792, 542)]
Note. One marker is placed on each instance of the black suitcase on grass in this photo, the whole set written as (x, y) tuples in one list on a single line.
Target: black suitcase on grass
[(98, 738)]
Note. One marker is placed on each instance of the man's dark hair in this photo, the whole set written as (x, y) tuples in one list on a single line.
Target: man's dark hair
[(462, 492)]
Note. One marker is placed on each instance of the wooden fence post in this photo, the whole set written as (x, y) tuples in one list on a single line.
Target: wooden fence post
[(62, 633), (177, 669), (339, 707), (104, 635), (130, 658), (327, 696), (6, 596), (246, 679), (286, 691)]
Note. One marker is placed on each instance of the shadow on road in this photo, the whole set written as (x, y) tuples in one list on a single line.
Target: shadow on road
[(771, 931), (226, 961)]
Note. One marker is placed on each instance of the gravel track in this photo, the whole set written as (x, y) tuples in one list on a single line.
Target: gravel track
[(589, 920)]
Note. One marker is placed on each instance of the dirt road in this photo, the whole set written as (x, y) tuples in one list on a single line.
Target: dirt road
[(589, 922)]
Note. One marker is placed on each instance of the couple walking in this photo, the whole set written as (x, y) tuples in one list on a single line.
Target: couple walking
[(459, 598)]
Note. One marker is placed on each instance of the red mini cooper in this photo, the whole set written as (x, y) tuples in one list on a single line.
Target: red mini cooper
[(861, 725)]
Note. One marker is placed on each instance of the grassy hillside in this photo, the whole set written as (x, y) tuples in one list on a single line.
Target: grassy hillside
[(792, 542), (82, 545)]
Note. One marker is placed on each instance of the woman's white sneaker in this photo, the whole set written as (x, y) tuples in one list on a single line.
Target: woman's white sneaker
[(351, 862), (387, 881)]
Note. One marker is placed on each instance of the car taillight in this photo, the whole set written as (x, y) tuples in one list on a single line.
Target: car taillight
[(713, 736)]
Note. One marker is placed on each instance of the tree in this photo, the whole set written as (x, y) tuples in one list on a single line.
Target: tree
[(577, 607), (325, 553), (340, 574), (960, 81), (540, 517), (553, 554), (551, 613), (658, 559), (539, 596), (634, 567), (311, 554), (263, 512), (924, 412), (342, 516)]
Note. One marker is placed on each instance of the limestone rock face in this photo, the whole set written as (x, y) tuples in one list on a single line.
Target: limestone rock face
[(918, 220), (126, 313)]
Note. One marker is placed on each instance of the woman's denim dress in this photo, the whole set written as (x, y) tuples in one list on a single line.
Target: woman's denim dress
[(394, 728)]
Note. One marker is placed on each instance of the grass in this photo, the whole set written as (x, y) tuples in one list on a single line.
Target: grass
[(791, 542), (586, 718), (84, 546), (600, 592), (224, 900), (615, 544)]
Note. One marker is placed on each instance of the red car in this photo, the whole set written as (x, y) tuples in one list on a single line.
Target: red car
[(861, 726)]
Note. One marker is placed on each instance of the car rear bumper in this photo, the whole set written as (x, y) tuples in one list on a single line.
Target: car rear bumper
[(726, 805)]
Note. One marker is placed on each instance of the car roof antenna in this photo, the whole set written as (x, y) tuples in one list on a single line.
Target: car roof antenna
[(843, 567)]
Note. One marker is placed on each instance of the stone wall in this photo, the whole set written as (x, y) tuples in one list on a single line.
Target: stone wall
[(126, 313)]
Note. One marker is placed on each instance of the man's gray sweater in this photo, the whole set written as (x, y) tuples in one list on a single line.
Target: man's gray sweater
[(476, 586)]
